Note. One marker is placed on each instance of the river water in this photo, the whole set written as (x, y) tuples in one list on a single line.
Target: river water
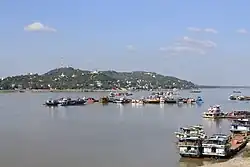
[(32, 135)]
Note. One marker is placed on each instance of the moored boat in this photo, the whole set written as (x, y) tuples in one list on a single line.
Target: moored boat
[(217, 145), (104, 100), (233, 97), (240, 126), (52, 103), (237, 114), (192, 131), (214, 112), (190, 147), (71, 102), (195, 91)]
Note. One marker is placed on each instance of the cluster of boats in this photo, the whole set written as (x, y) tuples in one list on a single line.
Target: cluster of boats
[(239, 97), (193, 142), (215, 112), (69, 102)]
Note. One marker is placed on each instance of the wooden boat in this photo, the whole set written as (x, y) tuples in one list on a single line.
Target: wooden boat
[(153, 101), (104, 100)]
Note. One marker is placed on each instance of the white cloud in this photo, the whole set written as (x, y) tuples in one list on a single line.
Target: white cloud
[(242, 31), (37, 26), (130, 47), (189, 45), (211, 30), (208, 30), (199, 43), (195, 29)]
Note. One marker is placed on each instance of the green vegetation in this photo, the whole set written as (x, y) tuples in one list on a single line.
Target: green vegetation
[(70, 78), (246, 153)]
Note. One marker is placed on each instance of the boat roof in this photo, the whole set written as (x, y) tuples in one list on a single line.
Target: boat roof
[(241, 120), (191, 138), (218, 137)]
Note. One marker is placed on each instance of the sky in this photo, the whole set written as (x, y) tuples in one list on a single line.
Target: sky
[(206, 42)]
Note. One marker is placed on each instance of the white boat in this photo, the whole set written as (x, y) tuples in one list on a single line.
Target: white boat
[(214, 112)]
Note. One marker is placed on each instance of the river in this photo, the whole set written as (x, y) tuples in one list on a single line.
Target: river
[(32, 135)]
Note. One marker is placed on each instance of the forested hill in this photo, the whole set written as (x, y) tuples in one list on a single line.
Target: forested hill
[(70, 78)]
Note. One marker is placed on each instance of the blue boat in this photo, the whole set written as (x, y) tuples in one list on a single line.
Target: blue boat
[(199, 100)]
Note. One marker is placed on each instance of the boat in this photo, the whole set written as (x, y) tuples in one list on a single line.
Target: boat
[(162, 100), (153, 101), (192, 131), (195, 91), (239, 126), (171, 100), (52, 103), (91, 100), (238, 114), (217, 145), (70, 102), (236, 91), (214, 112), (104, 100), (233, 97), (243, 98), (190, 147), (121, 100), (199, 100)]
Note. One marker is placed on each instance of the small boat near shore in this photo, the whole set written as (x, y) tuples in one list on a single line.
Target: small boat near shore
[(219, 146)]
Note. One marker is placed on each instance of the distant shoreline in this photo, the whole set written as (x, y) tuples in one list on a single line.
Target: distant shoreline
[(52, 91)]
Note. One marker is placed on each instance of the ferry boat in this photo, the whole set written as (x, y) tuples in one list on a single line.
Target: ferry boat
[(192, 131), (217, 145), (214, 112), (240, 126), (190, 147)]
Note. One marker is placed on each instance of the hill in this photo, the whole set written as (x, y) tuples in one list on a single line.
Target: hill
[(70, 78)]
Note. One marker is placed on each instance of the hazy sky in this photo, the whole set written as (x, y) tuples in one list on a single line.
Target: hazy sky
[(205, 41)]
